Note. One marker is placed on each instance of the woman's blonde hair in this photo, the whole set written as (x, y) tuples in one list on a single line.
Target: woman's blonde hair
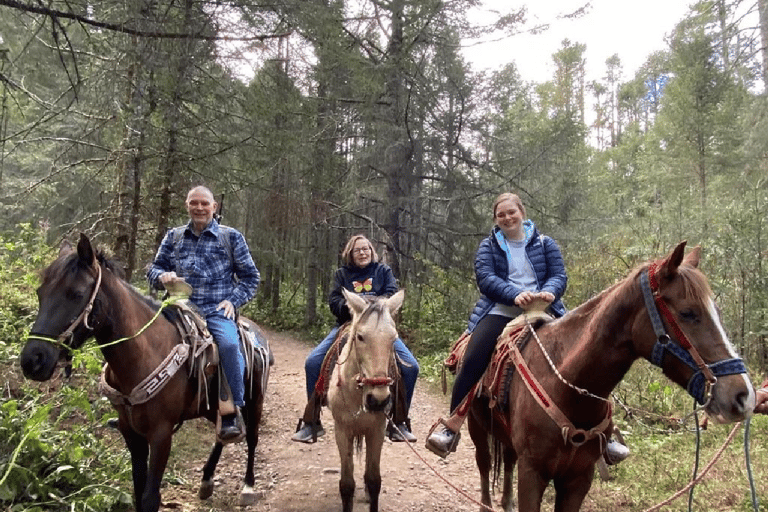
[(347, 258), (511, 197)]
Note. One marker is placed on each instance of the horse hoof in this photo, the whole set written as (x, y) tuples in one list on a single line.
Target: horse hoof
[(206, 489), (248, 496)]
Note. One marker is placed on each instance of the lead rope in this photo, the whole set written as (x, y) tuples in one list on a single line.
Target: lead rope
[(696, 458), (437, 473), (753, 491), (699, 478)]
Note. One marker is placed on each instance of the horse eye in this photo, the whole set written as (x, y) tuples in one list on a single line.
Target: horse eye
[(73, 295), (688, 315), (360, 337)]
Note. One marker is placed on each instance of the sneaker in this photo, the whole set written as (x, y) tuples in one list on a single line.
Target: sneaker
[(230, 428), (443, 441), (615, 452), (308, 433), (400, 433)]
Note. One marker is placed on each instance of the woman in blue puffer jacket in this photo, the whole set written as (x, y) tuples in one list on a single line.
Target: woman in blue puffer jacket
[(514, 266)]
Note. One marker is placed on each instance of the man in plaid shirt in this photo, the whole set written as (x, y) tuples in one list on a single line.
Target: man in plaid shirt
[(223, 278)]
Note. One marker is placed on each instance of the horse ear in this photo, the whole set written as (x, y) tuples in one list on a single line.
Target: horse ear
[(694, 257), (85, 250), (65, 248), (675, 258), (395, 301), (356, 303)]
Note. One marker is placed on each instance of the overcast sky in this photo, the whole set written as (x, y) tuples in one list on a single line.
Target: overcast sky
[(631, 29)]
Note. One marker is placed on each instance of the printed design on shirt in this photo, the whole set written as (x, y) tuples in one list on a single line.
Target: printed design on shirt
[(365, 286)]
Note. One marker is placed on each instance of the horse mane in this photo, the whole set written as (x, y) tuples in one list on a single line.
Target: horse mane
[(694, 282), (73, 264)]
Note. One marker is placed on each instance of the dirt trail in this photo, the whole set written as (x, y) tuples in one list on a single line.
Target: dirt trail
[(293, 477)]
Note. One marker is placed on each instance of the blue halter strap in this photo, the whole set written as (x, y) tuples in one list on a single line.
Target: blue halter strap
[(698, 385)]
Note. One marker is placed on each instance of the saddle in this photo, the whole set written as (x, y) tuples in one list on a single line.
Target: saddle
[(494, 382), (204, 353)]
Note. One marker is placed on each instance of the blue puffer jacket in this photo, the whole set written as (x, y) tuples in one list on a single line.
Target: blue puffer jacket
[(492, 271)]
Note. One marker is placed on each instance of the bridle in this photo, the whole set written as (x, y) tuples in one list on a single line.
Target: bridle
[(81, 318), (705, 375), (362, 380)]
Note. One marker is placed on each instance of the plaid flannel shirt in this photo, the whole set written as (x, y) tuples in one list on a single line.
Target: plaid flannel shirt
[(207, 266)]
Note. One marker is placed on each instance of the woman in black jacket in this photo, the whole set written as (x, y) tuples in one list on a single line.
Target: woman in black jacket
[(361, 273)]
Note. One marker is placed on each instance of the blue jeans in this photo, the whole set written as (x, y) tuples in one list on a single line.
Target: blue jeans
[(225, 334), (409, 370)]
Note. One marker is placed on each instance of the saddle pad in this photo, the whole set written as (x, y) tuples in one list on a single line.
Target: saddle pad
[(495, 380), (321, 388)]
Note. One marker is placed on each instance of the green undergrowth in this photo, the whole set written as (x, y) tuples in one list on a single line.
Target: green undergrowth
[(53, 454)]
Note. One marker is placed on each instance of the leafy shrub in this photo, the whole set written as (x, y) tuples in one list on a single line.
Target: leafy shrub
[(48, 461)]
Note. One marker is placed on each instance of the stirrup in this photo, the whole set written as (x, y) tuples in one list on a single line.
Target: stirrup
[(440, 450)]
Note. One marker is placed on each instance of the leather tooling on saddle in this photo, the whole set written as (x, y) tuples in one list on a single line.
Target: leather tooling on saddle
[(495, 381), (199, 347)]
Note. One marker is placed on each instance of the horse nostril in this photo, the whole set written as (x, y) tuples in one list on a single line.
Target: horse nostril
[(742, 399), (374, 404)]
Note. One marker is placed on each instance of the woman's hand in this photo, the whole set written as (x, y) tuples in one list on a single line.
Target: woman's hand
[(525, 299)]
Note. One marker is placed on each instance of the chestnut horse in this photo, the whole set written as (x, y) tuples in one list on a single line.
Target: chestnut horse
[(359, 391), (590, 349), (82, 295)]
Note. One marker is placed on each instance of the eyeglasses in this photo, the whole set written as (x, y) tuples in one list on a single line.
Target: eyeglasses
[(360, 250)]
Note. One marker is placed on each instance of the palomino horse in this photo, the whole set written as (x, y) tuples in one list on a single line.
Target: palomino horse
[(83, 295), (359, 392), (590, 349)]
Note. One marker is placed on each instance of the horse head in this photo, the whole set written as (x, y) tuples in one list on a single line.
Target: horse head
[(372, 336), (66, 297), (691, 345)]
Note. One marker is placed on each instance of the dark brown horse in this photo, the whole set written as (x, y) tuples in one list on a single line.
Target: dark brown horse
[(664, 312), (82, 295)]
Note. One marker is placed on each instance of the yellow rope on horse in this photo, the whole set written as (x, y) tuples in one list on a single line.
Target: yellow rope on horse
[(170, 300)]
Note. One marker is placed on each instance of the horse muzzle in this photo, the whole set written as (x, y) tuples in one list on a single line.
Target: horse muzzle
[(38, 360), (377, 399), (732, 399)]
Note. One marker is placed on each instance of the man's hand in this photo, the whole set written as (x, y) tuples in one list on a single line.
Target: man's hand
[(761, 398), (229, 309), (168, 277)]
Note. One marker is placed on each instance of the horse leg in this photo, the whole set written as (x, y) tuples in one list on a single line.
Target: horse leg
[(480, 439), (345, 444), (372, 477), (206, 485), (571, 491), (530, 487), (139, 450), (159, 450), (252, 417), (507, 495)]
